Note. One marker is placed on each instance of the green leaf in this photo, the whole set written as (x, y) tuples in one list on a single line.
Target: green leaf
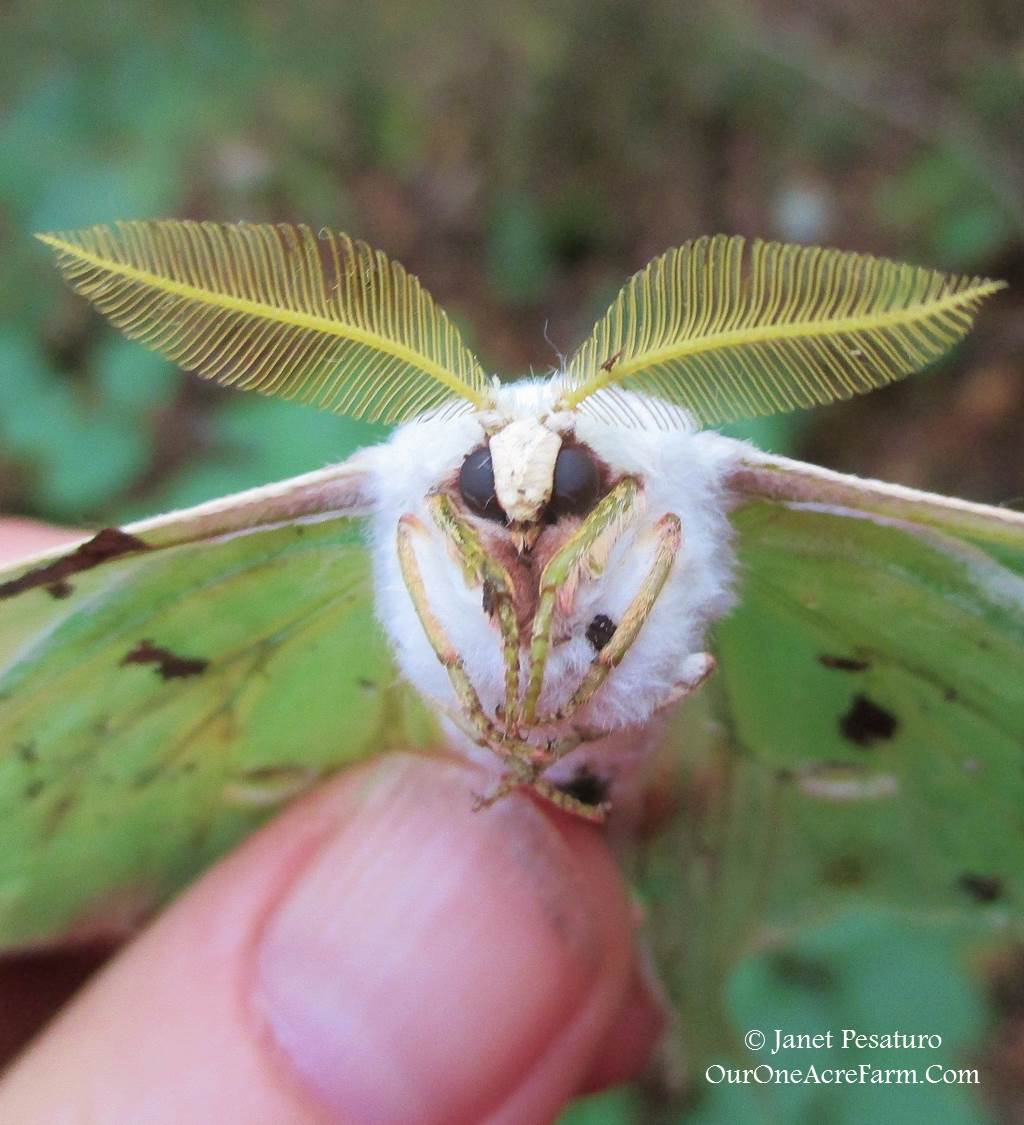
[(24, 378), (89, 190), (774, 433), (866, 972), (613, 1107), (36, 135), (133, 378), (92, 456), (281, 439), (518, 256), (260, 439)]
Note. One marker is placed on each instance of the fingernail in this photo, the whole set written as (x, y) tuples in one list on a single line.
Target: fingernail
[(426, 955)]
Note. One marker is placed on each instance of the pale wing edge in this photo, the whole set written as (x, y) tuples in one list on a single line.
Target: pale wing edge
[(763, 476), (338, 491)]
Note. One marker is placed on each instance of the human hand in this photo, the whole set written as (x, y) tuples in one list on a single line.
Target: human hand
[(378, 953)]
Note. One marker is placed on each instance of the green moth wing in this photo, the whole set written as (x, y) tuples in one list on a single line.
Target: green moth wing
[(876, 662), (163, 688), (837, 834)]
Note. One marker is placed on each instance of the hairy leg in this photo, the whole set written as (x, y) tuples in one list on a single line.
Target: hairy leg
[(510, 782), (669, 539), (479, 569), (583, 556), (445, 651)]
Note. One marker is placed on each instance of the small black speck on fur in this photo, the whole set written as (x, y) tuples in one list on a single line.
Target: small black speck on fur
[(600, 631)]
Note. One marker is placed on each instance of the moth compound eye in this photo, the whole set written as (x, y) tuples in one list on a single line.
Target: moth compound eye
[(476, 483), (576, 484)]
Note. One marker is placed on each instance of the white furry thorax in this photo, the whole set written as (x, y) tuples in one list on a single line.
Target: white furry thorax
[(681, 471)]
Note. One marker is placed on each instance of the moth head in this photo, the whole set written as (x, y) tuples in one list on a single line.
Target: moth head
[(517, 471), (528, 474)]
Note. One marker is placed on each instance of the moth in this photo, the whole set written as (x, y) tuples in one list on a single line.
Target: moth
[(552, 565)]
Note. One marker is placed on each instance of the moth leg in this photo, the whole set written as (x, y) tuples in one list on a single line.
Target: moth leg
[(695, 671), (597, 814), (525, 760), (506, 784), (437, 635), (473, 720), (511, 782), (669, 533), (584, 555), (479, 569)]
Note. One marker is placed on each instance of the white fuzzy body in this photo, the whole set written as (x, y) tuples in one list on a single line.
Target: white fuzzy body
[(681, 472)]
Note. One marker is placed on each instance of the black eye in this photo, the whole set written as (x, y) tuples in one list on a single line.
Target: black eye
[(476, 483), (576, 484)]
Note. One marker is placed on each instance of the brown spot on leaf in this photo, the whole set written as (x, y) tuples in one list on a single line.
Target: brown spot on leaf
[(867, 723), (490, 598), (110, 543), (843, 663), (982, 888), (33, 789), (169, 665), (27, 752)]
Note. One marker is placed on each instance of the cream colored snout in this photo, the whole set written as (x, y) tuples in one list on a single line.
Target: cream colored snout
[(523, 457)]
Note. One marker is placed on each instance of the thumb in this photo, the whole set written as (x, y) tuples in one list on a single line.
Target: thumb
[(379, 953)]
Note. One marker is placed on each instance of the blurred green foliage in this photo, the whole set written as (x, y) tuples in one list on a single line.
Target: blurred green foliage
[(522, 159)]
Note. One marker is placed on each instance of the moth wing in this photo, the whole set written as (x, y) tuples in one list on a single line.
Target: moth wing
[(837, 838), (166, 686)]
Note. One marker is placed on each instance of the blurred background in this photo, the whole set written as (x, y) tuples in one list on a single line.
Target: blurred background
[(523, 160)]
